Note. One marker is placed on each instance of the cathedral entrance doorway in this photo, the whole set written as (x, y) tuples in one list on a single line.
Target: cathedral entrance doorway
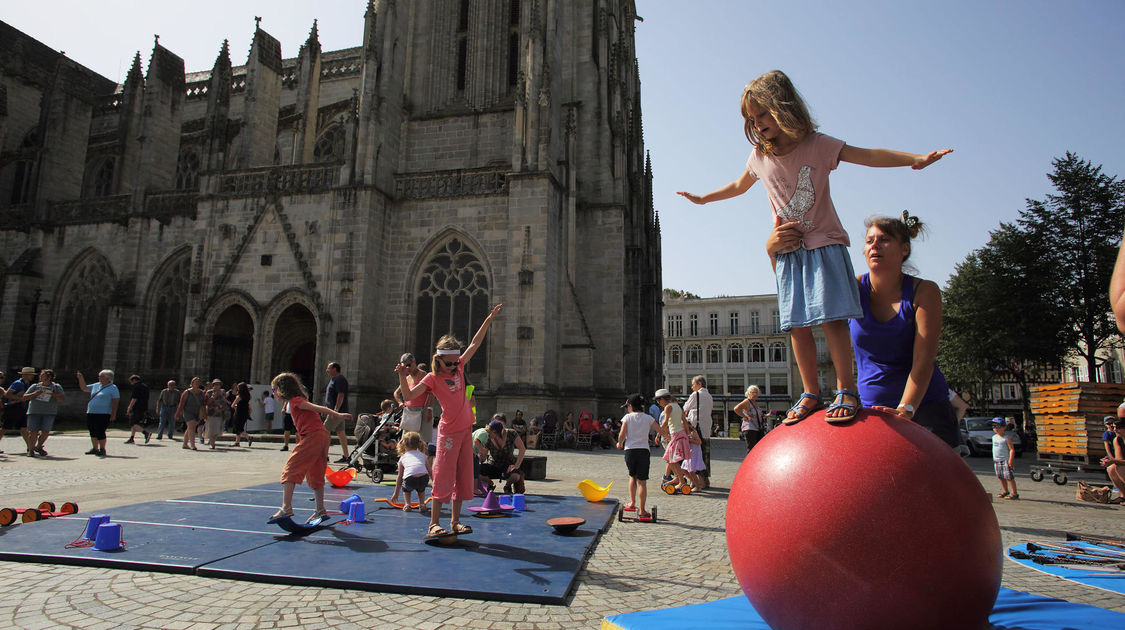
[(294, 345), (232, 346)]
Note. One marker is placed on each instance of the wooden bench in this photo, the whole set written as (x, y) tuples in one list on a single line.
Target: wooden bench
[(534, 466)]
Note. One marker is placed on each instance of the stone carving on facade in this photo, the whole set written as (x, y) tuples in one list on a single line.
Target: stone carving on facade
[(100, 210), (460, 183), (282, 180)]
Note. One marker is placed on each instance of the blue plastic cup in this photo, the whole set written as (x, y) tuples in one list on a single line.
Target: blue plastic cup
[(357, 513), (348, 501), (108, 537), (505, 499), (92, 524), (519, 502)]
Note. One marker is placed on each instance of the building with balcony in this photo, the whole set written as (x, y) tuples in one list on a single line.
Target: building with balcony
[(736, 342)]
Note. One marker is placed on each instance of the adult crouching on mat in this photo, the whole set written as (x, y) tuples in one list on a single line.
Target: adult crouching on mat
[(503, 457)]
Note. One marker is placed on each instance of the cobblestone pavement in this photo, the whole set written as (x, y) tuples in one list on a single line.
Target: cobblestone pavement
[(633, 567)]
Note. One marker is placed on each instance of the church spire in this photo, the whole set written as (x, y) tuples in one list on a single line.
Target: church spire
[(134, 80), (312, 44), (223, 59)]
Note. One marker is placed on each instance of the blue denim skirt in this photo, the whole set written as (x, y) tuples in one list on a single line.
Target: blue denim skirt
[(816, 286)]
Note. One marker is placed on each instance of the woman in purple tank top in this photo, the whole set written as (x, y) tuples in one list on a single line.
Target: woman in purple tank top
[(896, 339)]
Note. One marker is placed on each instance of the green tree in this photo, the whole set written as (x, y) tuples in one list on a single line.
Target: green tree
[(1077, 232), (675, 293), (1000, 316)]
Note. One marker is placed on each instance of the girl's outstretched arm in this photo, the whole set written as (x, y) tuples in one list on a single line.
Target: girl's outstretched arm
[(404, 388), (324, 411), (885, 157), (479, 337), (733, 189)]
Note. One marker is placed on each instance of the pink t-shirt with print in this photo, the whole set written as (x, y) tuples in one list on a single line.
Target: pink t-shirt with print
[(449, 389), (797, 186)]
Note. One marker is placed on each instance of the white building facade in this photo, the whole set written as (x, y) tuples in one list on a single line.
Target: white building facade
[(736, 342)]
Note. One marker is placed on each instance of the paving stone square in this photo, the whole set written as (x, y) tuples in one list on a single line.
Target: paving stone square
[(681, 560)]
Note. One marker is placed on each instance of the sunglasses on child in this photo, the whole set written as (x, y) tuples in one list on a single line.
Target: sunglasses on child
[(450, 364)]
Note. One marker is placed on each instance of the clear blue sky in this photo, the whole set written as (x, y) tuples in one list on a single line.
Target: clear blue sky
[(1008, 84)]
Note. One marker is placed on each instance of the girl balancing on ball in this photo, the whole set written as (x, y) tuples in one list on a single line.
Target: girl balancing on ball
[(453, 463), (815, 280)]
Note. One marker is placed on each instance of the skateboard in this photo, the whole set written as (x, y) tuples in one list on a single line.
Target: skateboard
[(447, 538), (46, 509), (566, 524), (626, 515), (401, 504), (304, 529), (669, 488)]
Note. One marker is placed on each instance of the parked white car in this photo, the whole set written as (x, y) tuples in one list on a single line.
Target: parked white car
[(978, 434)]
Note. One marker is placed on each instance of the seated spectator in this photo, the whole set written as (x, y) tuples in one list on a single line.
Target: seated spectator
[(534, 431), (550, 422), (606, 434), (519, 424), (586, 424), (569, 429), (502, 460)]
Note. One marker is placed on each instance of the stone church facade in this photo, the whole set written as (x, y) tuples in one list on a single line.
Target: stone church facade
[(344, 205)]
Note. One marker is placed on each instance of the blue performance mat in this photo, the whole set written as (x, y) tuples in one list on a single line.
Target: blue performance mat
[(1014, 610), (1110, 579), (516, 558)]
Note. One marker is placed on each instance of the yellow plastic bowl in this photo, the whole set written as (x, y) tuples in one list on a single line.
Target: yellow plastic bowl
[(592, 491)]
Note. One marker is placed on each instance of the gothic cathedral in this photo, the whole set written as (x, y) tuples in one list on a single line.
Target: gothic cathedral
[(345, 205)]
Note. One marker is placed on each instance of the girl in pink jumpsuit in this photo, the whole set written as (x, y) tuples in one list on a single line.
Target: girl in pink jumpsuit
[(453, 463)]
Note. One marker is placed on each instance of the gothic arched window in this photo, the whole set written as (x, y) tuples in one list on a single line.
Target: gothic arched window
[(99, 177), (330, 145), (169, 309), (453, 297), (84, 313), (187, 170), (21, 182)]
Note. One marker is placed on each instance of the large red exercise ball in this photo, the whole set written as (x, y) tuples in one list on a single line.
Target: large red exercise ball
[(875, 523)]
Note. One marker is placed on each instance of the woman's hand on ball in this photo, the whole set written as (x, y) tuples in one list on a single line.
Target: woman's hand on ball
[(897, 412)]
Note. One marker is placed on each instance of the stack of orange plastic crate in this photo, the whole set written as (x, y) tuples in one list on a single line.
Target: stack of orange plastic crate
[(1068, 419)]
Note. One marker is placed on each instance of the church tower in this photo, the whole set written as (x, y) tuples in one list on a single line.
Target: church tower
[(347, 206)]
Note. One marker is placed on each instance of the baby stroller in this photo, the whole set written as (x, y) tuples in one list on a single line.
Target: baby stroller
[(371, 457)]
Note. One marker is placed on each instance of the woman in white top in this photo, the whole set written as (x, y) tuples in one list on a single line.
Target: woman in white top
[(751, 429), (633, 439)]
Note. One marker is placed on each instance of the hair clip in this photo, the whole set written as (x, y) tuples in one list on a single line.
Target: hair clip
[(908, 220)]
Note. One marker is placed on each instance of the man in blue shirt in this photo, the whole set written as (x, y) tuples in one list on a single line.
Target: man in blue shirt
[(15, 410), (336, 398)]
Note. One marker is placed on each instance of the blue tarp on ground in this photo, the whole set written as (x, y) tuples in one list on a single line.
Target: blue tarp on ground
[(516, 558), (1110, 579), (1014, 610)]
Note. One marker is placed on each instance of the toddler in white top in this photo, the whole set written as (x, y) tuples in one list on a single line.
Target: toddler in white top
[(413, 469)]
